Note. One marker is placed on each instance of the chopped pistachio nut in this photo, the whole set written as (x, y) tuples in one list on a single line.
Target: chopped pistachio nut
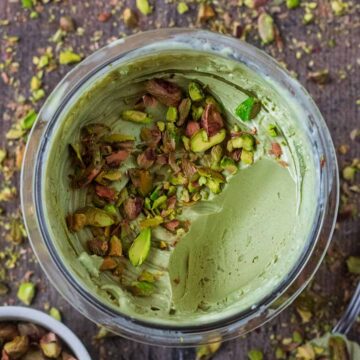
[(248, 109), (67, 24), (69, 57), (172, 114), (308, 17), (273, 130), (292, 4), (130, 18), (55, 313), (136, 116), (27, 4), (182, 8), (206, 351), (199, 142), (151, 222), (26, 292), (144, 7), (159, 201), (247, 157), (147, 276), (266, 28), (35, 83), (28, 120), (140, 248), (115, 246), (229, 165), (3, 290), (248, 142), (353, 264), (142, 288), (195, 92), (197, 112), (205, 12), (339, 7), (255, 355), (349, 173), (50, 346)]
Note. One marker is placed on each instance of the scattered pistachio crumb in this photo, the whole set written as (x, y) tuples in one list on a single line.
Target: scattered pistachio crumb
[(69, 57), (55, 313), (144, 7), (26, 292), (182, 8)]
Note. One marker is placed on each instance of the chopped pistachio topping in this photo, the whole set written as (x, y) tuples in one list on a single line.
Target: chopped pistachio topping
[(248, 109), (200, 141), (273, 130), (136, 184), (172, 114)]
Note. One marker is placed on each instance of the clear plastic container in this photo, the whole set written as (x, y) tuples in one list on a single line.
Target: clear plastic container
[(32, 179)]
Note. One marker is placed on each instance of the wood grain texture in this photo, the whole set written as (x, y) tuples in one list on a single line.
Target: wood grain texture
[(336, 100)]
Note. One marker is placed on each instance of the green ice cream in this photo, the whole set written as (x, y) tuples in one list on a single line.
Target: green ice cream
[(242, 243)]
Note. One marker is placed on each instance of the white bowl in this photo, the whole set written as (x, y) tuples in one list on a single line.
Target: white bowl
[(19, 313)]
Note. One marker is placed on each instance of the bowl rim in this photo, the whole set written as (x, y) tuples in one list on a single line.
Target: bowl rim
[(84, 71), (22, 313)]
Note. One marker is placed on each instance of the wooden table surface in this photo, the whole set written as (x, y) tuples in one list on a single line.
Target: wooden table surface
[(329, 42)]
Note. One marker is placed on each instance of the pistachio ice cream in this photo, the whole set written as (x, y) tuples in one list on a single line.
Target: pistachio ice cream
[(241, 218)]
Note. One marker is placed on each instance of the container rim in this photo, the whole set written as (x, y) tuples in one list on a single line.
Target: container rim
[(137, 329)]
